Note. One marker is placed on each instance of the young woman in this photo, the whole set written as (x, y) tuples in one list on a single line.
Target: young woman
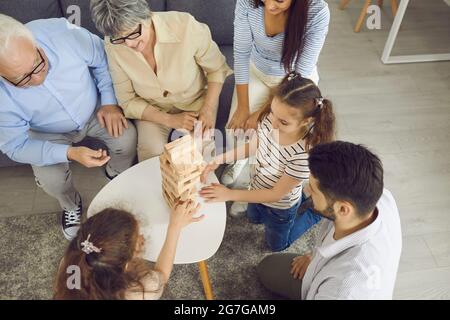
[(297, 119), (271, 39), (108, 252)]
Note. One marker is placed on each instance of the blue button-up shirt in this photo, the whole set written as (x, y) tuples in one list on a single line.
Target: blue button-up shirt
[(78, 77)]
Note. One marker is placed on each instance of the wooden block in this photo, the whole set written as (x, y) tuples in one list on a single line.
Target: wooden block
[(177, 143), (188, 194), (171, 203), (181, 168), (180, 178), (179, 153), (179, 188)]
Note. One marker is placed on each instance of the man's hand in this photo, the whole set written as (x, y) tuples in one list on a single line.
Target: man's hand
[(183, 120), (239, 118), (112, 117), (215, 193), (88, 157), (299, 266)]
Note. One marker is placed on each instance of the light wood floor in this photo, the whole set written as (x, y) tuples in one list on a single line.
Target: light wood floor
[(402, 112)]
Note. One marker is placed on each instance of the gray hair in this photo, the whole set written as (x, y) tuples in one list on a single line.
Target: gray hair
[(112, 17), (10, 29)]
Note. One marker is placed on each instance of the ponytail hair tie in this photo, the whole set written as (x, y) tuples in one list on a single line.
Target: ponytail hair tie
[(292, 75), (320, 103)]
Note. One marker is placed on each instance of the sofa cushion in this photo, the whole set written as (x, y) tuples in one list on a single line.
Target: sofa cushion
[(217, 14), (85, 13), (28, 10)]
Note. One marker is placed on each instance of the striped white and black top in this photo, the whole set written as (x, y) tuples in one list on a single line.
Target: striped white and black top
[(251, 41), (274, 160)]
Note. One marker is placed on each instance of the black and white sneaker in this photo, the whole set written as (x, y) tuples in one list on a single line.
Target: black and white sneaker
[(70, 222)]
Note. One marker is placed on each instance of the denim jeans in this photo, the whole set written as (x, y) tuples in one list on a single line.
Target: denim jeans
[(282, 226)]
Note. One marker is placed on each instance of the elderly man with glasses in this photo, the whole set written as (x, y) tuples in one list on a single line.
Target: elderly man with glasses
[(55, 89)]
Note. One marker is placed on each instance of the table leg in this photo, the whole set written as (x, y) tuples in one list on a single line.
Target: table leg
[(362, 15), (394, 7), (205, 280)]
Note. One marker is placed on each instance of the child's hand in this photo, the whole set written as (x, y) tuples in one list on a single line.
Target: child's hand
[(215, 193), (208, 169), (183, 214)]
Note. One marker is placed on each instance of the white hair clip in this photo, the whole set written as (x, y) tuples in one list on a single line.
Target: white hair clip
[(88, 247)]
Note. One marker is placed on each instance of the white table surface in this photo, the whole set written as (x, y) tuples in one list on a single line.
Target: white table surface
[(139, 191)]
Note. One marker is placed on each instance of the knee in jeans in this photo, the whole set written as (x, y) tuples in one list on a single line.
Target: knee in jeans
[(276, 244)]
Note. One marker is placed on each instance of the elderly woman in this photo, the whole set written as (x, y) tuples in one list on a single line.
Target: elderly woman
[(166, 69)]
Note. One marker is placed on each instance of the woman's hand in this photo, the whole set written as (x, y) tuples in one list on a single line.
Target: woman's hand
[(211, 167), (183, 120), (206, 116), (183, 214), (299, 266), (239, 118), (252, 121), (215, 193)]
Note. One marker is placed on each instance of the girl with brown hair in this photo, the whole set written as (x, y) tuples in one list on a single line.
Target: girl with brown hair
[(108, 250), (297, 119)]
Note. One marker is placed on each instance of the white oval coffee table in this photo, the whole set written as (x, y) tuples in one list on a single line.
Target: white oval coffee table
[(139, 191)]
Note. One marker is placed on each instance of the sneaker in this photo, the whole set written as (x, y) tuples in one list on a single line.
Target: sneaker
[(232, 172), (70, 222), (238, 209)]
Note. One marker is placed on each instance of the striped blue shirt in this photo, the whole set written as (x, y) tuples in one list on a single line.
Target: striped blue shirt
[(252, 43)]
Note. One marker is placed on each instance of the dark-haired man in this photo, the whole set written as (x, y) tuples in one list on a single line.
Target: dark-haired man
[(358, 246)]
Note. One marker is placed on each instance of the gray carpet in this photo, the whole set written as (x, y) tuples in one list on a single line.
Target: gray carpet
[(32, 246)]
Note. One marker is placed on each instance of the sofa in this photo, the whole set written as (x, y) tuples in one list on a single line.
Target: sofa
[(217, 14)]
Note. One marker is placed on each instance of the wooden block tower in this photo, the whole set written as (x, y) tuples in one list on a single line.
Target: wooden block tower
[(181, 167)]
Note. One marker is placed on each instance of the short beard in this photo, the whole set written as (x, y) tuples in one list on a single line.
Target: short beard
[(308, 204)]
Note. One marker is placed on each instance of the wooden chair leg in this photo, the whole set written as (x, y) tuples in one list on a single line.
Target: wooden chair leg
[(394, 7), (362, 16), (205, 280), (380, 3), (343, 4)]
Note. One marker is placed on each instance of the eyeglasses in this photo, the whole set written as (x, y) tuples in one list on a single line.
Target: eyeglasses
[(27, 78), (134, 35)]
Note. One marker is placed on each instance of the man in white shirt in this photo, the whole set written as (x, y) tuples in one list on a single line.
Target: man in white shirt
[(358, 246)]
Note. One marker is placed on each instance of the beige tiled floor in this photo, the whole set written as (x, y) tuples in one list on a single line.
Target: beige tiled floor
[(400, 111)]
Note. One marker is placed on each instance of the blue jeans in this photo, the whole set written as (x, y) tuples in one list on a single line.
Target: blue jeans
[(282, 226)]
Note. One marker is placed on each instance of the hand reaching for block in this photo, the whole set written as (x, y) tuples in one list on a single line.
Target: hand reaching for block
[(215, 193), (211, 167), (183, 214)]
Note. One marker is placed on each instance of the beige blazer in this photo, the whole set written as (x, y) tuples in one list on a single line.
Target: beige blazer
[(186, 58)]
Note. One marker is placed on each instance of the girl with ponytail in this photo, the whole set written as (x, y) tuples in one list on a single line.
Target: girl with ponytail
[(106, 256), (297, 119)]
